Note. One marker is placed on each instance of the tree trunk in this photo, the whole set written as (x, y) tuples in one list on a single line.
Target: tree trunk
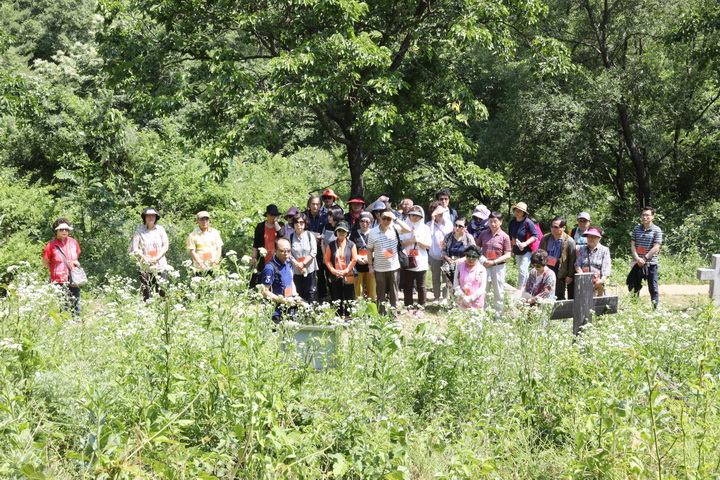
[(641, 169), (357, 165)]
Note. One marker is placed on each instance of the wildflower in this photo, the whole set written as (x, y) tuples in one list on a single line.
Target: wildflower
[(245, 259), (9, 344), (230, 253), (262, 251)]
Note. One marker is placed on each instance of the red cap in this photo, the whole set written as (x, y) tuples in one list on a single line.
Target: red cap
[(329, 193)]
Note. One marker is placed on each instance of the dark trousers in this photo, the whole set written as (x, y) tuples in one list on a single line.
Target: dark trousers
[(344, 293), (322, 289), (305, 286), (386, 287), (71, 298), (149, 282), (560, 289), (411, 279), (652, 281)]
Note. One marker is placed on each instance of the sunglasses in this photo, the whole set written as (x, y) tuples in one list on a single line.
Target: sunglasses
[(459, 226), (386, 219), (471, 256)]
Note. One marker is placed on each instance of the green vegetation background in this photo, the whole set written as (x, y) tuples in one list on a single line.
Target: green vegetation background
[(107, 108)]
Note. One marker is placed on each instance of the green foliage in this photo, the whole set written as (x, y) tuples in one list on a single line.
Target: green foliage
[(199, 385), (27, 212), (380, 80)]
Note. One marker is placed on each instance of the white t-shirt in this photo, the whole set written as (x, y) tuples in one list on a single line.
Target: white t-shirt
[(421, 233), (438, 234)]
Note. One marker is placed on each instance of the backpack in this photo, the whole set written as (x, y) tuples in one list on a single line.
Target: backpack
[(536, 244)]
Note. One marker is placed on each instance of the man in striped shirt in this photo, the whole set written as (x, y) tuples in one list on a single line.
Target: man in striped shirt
[(383, 261), (645, 245)]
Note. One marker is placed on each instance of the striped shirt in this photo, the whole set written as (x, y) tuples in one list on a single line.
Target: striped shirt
[(645, 239), (384, 247)]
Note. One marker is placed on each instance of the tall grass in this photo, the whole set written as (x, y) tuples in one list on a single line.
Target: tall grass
[(202, 385)]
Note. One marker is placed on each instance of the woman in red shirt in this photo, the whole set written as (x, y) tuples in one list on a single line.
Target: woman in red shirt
[(61, 256)]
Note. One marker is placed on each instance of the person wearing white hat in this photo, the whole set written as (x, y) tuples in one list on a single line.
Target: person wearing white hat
[(439, 229), (383, 258), (578, 233), (205, 245), (60, 256), (148, 245), (479, 221), (416, 244)]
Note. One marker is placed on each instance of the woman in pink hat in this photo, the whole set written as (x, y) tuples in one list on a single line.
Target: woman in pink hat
[(594, 258)]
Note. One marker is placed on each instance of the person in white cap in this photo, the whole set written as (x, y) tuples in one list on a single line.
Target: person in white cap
[(416, 245), (578, 233), (479, 221), (383, 259), (61, 256), (439, 229), (148, 245), (205, 245)]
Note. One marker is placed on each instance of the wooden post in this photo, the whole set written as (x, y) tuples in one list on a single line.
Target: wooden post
[(583, 302), (712, 274)]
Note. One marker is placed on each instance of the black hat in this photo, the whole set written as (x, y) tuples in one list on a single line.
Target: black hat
[(272, 210)]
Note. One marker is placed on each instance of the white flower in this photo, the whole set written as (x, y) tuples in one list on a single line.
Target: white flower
[(8, 343), (187, 263), (262, 251), (245, 259), (230, 253)]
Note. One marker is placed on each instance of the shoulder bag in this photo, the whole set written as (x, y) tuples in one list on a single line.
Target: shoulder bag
[(402, 256), (77, 275)]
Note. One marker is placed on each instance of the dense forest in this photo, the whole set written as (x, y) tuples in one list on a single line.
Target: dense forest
[(109, 106)]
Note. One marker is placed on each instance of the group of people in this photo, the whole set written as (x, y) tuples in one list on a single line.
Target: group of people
[(373, 251)]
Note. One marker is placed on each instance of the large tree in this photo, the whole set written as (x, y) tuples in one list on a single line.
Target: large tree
[(649, 100), (383, 79)]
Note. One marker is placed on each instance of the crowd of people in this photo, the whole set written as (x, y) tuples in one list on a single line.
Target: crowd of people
[(374, 251)]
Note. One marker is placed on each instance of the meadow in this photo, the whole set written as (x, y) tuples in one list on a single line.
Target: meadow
[(200, 385)]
